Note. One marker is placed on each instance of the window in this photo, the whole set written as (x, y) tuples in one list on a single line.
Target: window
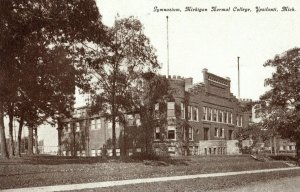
[(237, 120), (68, 128), (190, 133), (241, 121), (171, 132), (98, 123), (156, 110), (220, 116), (182, 111), (195, 113), (109, 124), (216, 132), (230, 119), (209, 111), (221, 132), (157, 133), (189, 113), (93, 124), (204, 117), (225, 117), (138, 119), (83, 113), (93, 153), (77, 127), (130, 120), (214, 115)]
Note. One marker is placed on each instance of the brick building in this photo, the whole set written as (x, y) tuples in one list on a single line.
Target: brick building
[(85, 135), (201, 119), (212, 112)]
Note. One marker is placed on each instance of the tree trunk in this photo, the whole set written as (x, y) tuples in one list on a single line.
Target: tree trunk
[(4, 153), (30, 140), (275, 146), (11, 136), (59, 132), (114, 143), (124, 140), (36, 142), (18, 149)]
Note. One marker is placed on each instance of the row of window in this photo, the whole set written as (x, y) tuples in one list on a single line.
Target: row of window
[(286, 148), (98, 152), (95, 124), (215, 151), (171, 133), (219, 132), (209, 114)]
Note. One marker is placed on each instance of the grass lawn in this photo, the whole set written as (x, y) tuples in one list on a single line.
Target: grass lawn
[(53, 170), (204, 184)]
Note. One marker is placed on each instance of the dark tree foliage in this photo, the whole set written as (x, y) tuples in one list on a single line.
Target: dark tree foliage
[(281, 112), (40, 61)]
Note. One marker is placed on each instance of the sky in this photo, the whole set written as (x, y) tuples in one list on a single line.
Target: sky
[(211, 40), (214, 40)]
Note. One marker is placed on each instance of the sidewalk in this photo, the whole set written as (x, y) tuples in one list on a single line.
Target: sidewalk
[(139, 181)]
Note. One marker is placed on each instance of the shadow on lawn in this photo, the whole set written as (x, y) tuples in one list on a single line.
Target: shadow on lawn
[(52, 160)]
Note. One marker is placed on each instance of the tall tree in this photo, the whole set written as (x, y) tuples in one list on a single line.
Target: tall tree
[(40, 25), (282, 102), (119, 66)]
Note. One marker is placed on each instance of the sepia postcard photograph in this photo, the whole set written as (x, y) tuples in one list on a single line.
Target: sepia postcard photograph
[(150, 95)]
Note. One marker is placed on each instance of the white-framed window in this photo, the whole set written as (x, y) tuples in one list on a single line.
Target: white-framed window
[(191, 133), (230, 118), (68, 128), (220, 116), (171, 110), (222, 132), (171, 132), (182, 111), (225, 117), (98, 124), (93, 124), (216, 132), (215, 114), (237, 120), (137, 119), (189, 112), (241, 121), (109, 125), (209, 114), (204, 117), (93, 153), (83, 112), (157, 133), (195, 113), (156, 110), (77, 127), (130, 119)]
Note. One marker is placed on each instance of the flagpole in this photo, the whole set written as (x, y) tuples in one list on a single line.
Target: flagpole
[(168, 45)]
